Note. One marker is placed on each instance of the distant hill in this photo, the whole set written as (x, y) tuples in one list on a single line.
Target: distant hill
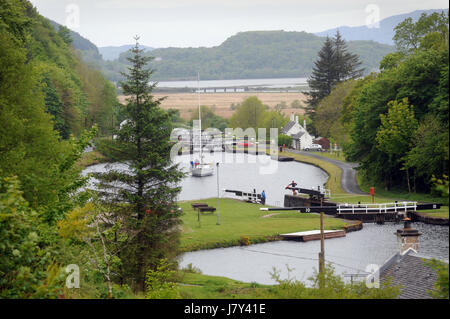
[(383, 34), (255, 54), (111, 53)]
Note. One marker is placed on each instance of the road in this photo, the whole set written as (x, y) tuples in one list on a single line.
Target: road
[(348, 176)]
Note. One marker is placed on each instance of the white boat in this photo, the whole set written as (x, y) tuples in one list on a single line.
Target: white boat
[(201, 168)]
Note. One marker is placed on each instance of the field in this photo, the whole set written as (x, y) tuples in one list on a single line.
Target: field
[(222, 101)]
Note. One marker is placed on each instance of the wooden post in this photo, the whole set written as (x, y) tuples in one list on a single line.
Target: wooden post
[(322, 246), (321, 254)]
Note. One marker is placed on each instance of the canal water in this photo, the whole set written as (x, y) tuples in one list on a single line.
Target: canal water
[(243, 172), (374, 244), (348, 255)]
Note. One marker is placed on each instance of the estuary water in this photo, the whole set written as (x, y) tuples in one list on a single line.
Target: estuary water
[(268, 83)]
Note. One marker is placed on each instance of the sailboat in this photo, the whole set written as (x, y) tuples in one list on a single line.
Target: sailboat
[(200, 168)]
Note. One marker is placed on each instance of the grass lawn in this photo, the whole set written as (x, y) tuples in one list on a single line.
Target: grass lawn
[(240, 219), (198, 286), (443, 212)]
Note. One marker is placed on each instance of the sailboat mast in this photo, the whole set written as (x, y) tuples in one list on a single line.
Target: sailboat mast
[(199, 114)]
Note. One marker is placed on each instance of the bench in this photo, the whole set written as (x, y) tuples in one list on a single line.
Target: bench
[(209, 210), (198, 205)]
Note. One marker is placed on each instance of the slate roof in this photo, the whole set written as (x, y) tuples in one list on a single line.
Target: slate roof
[(288, 127), (410, 272), (298, 135)]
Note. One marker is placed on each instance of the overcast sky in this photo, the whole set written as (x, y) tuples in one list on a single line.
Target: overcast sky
[(194, 23)]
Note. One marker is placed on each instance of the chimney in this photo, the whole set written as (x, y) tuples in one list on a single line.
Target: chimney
[(292, 117), (408, 237), (296, 119), (304, 124)]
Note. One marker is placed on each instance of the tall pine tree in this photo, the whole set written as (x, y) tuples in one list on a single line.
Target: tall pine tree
[(142, 198), (333, 65), (323, 77), (347, 63)]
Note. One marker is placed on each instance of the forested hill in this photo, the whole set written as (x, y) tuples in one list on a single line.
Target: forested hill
[(255, 54), (382, 34), (76, 95)]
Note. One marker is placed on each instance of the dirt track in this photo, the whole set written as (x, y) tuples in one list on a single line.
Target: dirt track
[(185, 102)]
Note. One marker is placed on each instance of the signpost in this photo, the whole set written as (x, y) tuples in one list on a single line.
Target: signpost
[(372, 192)]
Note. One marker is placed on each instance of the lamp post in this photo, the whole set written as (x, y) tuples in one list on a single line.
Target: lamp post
[(218, 195)]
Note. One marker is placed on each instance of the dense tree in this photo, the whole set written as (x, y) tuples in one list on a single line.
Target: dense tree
[(323, 76), (334, 65), (249, 114), (348, 65), (429, 31), (329, 111), (143, 199), (387, 138), (209, 119)]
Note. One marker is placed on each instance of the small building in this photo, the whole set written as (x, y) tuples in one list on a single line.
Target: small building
[(407, 268), (300, 136), (323, 141)]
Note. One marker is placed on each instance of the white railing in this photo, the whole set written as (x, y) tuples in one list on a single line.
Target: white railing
[(398, 207)]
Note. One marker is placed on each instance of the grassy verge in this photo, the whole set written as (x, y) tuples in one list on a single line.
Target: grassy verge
[(443, 212), (91, 158), (334, 155), (198, 286), (240, 221)]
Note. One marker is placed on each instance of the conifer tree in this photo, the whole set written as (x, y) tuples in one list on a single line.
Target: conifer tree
[(334, 65), (142, 198), (347, 64), (323, 77)]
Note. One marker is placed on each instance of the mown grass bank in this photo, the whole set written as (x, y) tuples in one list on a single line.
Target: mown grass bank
[(241, 223)]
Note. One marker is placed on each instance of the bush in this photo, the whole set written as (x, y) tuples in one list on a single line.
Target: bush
[(160, 282), (284, 139)]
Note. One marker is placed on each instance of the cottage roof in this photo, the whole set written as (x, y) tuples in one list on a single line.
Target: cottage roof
[(412, 273), (298, 135), (288, 127)]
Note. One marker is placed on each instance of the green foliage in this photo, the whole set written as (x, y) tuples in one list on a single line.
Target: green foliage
[(27, 267), (149, 220), (397, 128), (441, 286), (209, 119), (328, 285), (75, 95), (430, 31), (160, 283), (329, 112), (386, 141), (284, 140)]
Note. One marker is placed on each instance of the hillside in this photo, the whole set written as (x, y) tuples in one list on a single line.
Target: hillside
[(76, 95), (111, 53), (383, 34), (255, 54)]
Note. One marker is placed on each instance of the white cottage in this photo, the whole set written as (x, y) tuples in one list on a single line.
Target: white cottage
[(300, 137)]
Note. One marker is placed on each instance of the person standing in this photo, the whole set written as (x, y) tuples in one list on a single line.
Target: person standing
[(263, 198)]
